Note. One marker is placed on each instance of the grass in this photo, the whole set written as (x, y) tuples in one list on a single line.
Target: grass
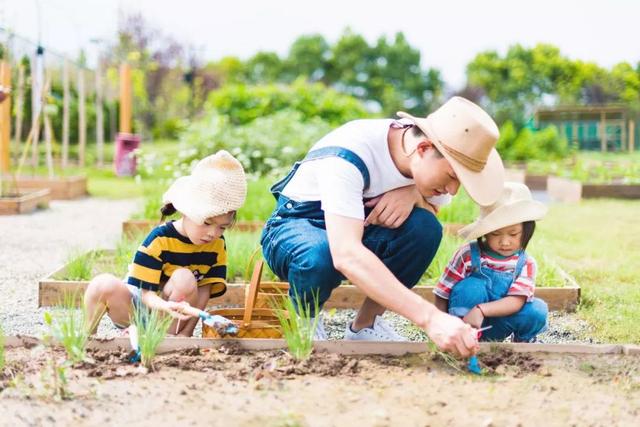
[(594, 241), (461, 210), (69, 329), (151, 327), (79, 265), (298, 325)]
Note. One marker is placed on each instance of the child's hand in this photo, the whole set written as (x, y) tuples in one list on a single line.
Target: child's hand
[(176, 309), (474, 317)]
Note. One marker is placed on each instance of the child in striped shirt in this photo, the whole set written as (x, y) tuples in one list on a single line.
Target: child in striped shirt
[(182, 261), (491, 280)]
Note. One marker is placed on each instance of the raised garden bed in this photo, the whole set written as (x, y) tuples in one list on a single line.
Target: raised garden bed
[(52, 290), (568, 190), (134, 227), (536, 182), (61, 188), (25, 202)]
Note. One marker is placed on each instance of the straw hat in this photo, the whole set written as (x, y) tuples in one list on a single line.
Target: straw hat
[(216, 186), (514, 206), (466, 136)]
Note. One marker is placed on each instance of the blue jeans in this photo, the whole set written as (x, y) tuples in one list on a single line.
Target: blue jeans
[(295, 246), (524, 325)]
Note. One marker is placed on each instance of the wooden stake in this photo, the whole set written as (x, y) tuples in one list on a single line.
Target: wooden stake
[(17, 136), (125, 98), (48, 132), (82, 119), (99, 116), (5, 118), (66, 100)]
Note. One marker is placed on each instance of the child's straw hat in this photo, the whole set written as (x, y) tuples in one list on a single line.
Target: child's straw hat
[(466, 136), (514, 206), (216, 186)]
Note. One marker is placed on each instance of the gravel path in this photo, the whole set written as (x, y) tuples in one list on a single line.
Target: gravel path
[(33, 245)]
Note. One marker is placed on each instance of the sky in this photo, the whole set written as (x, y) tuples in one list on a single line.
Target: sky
[(448, 33)]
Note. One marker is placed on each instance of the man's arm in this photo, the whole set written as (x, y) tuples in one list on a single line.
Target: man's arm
[(366, 271)]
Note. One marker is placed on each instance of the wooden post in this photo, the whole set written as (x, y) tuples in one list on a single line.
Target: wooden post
[(66, 101), (48, 132), (82, 119), (17, 136), (603, 132), (632, 135), (99, 116), (125, 98), (5, 118)]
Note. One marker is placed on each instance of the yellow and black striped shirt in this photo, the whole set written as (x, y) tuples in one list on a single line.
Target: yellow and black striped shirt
[(165, 250)]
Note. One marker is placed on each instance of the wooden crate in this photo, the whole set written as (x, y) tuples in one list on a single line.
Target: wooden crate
[(25, 203), (61, 188)]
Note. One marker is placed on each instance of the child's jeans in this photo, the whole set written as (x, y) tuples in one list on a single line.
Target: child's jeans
[(524, 325)]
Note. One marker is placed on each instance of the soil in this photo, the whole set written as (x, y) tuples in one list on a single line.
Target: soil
[(229, 386)]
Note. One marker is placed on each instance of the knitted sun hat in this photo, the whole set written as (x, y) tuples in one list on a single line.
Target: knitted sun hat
[(466, 136), (217, 185), (514, 206)]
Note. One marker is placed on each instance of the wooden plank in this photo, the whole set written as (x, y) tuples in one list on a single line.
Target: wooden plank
[(125, 98), (615, 191), (51, 292), (171, 344)]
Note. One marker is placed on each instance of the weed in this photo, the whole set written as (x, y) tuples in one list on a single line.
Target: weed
[(1, 350), (79, 265), (298, 325), (58, 375), (448, 359), (152, 327)]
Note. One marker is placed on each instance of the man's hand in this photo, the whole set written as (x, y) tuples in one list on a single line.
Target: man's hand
[(451, 334), (393, 207), (474, 317)]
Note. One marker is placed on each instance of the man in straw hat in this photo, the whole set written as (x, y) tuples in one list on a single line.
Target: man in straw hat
[(360, 206)]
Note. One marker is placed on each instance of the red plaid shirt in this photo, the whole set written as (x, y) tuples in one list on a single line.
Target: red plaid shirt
[(460, 267)]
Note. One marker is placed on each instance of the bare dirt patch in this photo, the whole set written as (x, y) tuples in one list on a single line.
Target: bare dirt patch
[(229, 386)]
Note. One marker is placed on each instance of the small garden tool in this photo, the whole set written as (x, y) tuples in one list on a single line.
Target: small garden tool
[(222, 325), (474, 366), (135, 355)]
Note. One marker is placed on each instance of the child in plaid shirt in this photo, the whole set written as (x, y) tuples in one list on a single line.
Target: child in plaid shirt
[(491, 280)]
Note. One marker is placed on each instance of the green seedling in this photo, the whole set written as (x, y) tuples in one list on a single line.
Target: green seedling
[(151, 328), (448, 359), (68, 327), (298, 325)]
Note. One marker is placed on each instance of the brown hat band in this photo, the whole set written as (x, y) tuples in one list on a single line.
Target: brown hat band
[(470, 163)]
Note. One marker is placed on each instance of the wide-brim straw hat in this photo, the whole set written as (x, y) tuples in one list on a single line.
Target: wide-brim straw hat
[(216, 186), (515, 205), (466, 136)]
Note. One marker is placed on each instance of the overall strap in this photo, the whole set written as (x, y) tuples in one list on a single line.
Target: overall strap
[(522, 261), (475, 256), (322, 153)]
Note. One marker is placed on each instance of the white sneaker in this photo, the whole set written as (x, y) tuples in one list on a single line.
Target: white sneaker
[(380, 331)]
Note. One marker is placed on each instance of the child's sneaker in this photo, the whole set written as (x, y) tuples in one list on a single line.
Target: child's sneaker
[(320, 334), (379, 331)]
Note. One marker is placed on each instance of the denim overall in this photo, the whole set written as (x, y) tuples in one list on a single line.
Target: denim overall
[(295, 245), (485, 285)]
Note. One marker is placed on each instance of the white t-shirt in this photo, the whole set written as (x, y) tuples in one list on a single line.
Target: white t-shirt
[(337, 183)]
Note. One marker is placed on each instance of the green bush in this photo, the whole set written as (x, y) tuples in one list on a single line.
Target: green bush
[(244, 103), (530, 144)]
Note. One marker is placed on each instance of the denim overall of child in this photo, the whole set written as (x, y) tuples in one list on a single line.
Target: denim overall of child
[(486, 285), (296, 248)]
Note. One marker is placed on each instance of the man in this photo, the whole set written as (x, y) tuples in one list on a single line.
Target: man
[(323, 229)]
